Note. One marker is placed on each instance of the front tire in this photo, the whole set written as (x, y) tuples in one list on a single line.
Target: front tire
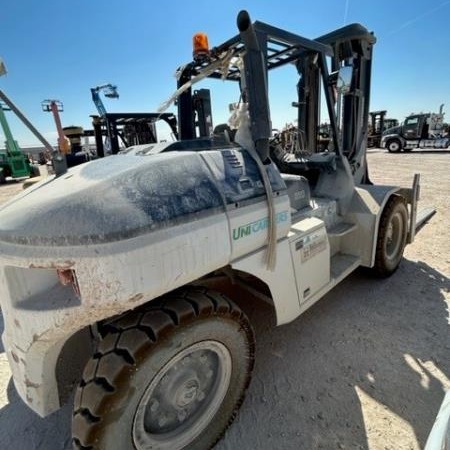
[(167, 377), (392, 234), (394, 146)]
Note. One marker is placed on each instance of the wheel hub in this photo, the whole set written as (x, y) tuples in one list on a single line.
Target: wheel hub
[(394, 235), (390, 232), (187, 393), (183, 397)]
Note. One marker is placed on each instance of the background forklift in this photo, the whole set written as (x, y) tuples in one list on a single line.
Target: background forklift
[(127, 286), (132, 128), (378, 124)]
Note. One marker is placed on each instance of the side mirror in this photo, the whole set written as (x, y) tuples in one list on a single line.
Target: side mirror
[(344, 80)]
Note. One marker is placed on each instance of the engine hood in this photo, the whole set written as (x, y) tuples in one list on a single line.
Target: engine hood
[(110, 199), (122, 196), (393, 130)]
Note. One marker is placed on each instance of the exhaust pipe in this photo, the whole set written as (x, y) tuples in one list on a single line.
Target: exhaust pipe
[(256, 85), (247, 31)]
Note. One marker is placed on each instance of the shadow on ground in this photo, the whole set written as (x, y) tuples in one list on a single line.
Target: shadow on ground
[(367, 335), (303, 394)]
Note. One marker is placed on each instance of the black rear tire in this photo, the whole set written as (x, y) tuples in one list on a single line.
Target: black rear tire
[(393, 146), (156, 380), (2, 178), (391, 239)]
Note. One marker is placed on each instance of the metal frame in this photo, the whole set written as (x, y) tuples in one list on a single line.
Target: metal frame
[(111, 124)]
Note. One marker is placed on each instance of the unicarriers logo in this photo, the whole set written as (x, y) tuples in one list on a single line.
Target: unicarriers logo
[(258, 225)]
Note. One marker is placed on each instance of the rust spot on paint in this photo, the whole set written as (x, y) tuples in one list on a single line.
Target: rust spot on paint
[(30, 384), (16, 323), (29, 399), (136, 298), (15, 357)]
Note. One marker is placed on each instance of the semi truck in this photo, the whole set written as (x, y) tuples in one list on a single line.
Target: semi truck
[(424, 131)]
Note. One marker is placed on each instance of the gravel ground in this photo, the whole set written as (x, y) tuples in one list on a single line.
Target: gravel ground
[(365, 368)]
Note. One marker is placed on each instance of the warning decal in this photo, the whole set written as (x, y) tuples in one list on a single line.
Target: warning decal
[(313, 245)]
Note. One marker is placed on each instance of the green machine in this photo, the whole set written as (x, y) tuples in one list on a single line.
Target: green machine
[(13, 162)]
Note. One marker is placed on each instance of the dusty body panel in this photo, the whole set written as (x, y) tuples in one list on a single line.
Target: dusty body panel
[(365, 210), (124, 250), (112, 277)]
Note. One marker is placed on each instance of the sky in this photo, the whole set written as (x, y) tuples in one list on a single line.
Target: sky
[(56, 49)]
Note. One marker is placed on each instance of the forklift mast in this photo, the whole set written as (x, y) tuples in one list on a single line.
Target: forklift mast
[(202, 106), (377, 121)]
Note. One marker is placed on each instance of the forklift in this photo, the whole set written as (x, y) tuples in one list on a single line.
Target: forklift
[(132, 128), (136, 271), (379, 123)]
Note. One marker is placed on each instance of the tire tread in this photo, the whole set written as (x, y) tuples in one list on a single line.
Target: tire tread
[(124, 339), (380, 267)]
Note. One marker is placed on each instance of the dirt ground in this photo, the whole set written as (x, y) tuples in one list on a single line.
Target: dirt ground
[(365, 368)]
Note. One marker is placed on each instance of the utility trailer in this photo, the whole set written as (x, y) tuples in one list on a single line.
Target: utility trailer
[(111, 275)]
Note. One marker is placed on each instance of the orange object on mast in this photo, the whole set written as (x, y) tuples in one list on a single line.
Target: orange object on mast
[(200, 45)]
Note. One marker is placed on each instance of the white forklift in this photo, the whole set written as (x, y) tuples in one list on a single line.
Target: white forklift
[(111, 274)]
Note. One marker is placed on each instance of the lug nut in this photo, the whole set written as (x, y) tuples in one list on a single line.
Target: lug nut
[(181, 416), (162, 420), (154, 405)]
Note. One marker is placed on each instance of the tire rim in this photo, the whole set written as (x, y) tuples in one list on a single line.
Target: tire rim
[(183, 397), (394, 147), (394, 237)]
